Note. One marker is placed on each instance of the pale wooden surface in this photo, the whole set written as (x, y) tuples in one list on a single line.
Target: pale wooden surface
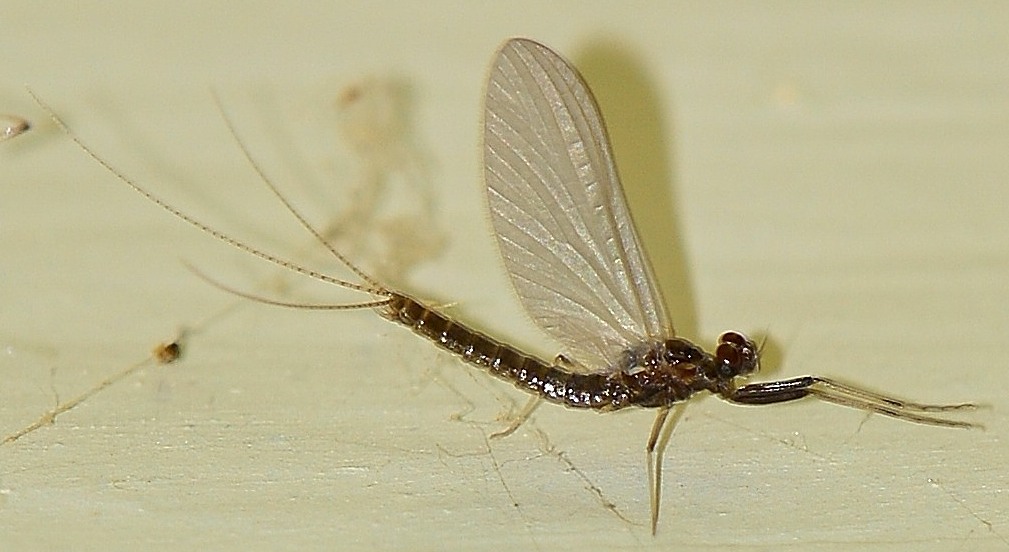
[(837, 178)]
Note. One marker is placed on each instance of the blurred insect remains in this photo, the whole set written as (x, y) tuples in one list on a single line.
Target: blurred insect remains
[(12, 126), (167, 353), (390, 216), (163, 353), (574, 257)]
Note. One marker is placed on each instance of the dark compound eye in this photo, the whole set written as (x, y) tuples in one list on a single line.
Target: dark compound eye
[(728, 354), (733, 337)]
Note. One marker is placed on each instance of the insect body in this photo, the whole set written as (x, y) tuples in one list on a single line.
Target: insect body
[(657, 374), (577, 265)]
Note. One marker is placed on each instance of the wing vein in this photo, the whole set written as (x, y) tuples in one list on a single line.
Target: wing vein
[(559, 213)]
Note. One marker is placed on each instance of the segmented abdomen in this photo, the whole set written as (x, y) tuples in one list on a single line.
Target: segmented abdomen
[(524, 371)]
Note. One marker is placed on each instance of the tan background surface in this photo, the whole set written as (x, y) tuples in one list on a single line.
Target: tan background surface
[(837, 178)]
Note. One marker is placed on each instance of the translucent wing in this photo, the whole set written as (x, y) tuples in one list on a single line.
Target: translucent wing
[(559, 212)]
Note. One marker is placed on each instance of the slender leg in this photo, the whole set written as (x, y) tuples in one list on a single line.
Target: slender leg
[(846, 395), (655, 467), (658, 440), (519, 419)]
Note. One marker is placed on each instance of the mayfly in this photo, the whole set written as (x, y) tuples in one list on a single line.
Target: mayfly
[(577, 265)]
